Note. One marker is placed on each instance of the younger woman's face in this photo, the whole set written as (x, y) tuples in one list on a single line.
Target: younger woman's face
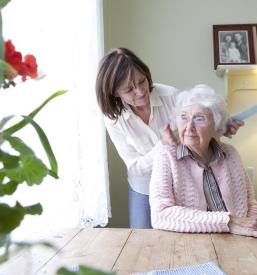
[(136, 92)]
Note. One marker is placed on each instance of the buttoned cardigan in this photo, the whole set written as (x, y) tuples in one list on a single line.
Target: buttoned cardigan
[(177, 198)]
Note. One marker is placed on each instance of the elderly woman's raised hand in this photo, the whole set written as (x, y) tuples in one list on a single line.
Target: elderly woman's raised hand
[(233, 127), (168, 137), (246, 226)]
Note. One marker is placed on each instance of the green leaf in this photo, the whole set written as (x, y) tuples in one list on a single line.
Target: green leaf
[(31, 169), (24, 122), (2, 175), (35, 209), (65, 271), (90, 271), (82, 270), (8, 188), (19, 145), (52, 174), (11, 217), (8, 161), (6, 67), (44, 141), (3, 3)]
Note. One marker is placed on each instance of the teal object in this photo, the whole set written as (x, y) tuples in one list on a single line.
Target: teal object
[(245, 114)]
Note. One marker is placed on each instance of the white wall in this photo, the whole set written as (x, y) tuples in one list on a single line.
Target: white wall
[(174, 37)]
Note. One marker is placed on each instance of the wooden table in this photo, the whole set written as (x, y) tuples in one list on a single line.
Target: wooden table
[(126, 251)]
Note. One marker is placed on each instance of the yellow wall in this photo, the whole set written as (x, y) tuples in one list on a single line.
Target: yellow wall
[(242, 93), (174, 37)]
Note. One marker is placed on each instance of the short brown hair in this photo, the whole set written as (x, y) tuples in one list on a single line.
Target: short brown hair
[(115, 67)]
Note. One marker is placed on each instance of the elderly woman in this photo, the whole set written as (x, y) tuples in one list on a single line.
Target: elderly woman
[(200, 184)]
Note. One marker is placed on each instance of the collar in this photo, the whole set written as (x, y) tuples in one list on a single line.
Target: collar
[(184, 151)]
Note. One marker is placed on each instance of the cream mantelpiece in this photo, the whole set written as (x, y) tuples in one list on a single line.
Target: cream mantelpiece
[(240, 84), (223, 70), (238, 78)]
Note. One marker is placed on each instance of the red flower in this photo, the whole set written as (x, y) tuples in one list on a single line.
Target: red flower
[(29, 67), (13, 57), (25, 68)]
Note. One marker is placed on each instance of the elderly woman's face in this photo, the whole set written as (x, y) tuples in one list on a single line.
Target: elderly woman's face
[(195, 126)]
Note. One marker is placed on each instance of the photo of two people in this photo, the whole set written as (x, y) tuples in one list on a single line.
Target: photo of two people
[(235, 44), (234, 47)]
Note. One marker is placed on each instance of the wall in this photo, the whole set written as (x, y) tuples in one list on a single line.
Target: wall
[(174, 37), (242, 93)]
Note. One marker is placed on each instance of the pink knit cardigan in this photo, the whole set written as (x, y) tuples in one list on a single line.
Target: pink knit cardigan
[(177, 198)]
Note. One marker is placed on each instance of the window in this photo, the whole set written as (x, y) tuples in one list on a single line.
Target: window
[(66, 38)]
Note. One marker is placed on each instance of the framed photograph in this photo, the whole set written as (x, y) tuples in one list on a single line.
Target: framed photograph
[(233, 44)]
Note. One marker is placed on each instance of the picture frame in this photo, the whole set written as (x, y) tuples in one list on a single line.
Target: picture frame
[(234, 44)]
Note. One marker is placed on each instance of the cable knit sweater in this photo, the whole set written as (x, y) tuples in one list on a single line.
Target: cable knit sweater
[(176, 192)]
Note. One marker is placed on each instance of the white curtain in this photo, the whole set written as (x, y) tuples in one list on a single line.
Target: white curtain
[(67, 39)]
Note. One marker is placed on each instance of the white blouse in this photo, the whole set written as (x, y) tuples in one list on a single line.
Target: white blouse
[(136, 142)]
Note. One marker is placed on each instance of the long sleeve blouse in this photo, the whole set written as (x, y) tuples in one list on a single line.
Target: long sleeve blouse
[(137, 142), (177, 198)]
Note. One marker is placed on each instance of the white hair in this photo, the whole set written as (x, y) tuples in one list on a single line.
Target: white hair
[(206, 96)]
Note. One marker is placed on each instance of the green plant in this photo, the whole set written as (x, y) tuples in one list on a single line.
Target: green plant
[(18, 162)]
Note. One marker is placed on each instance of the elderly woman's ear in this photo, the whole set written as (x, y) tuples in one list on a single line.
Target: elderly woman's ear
[(232, 127)]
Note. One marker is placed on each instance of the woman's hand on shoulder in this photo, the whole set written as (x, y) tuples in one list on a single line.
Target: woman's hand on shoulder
[(246, 226), (168, 136), (232, 127)]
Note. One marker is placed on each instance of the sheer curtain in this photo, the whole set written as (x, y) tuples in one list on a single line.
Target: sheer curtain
[(67, 39)]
